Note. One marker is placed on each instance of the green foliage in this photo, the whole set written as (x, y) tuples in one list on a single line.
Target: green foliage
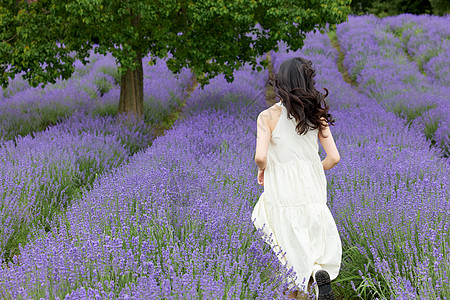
[(440, 7), (425, 57), (410, 113), (210, 37), (112, 71), (104, 109), (430, 129), (383, 8), (350, 281), (156, 111), (102, 83), (27, 41)]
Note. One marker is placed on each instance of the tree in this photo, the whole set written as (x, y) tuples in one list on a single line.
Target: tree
[(208, 36), (440, 7), (384, 8)]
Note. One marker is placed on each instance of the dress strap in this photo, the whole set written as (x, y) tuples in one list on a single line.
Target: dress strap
[(275, 130), (282, 108)]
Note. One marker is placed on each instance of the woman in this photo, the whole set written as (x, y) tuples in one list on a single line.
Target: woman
[(293, 204)]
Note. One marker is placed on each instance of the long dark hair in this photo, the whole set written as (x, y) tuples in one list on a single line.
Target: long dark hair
[(294, 84)]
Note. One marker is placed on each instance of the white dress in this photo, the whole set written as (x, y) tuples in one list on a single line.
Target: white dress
[(293, 204)]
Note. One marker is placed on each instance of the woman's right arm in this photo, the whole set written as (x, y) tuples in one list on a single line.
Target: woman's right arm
[(327, 141)]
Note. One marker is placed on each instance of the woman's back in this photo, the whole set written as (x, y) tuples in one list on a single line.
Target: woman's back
[(286, 145), (294, 174)]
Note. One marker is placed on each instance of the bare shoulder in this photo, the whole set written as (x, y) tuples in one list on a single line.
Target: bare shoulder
[(270, 115), (270, 112), (275, 108)]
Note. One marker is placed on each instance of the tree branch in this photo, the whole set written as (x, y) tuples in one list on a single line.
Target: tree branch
[(10, 38)]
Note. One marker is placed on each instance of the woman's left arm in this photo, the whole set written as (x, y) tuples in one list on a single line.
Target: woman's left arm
[(263, 134)]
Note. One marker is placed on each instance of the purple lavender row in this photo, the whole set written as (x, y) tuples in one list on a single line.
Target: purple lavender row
[(389, 193), (41, 175), (375, 58), (426, 39), (92, 89), (173, 223)]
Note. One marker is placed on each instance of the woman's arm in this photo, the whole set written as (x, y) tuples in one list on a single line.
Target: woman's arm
[(262, 139), (327, 141)]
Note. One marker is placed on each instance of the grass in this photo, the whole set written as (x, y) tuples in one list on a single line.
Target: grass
[(168, 121), (340, 61)]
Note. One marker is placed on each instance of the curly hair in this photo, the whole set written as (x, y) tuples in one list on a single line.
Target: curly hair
[(294, 84)]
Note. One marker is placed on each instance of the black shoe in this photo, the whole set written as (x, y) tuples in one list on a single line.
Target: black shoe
[(324, 284)]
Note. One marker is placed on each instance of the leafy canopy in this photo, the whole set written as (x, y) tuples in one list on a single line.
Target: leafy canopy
[(45, 37)]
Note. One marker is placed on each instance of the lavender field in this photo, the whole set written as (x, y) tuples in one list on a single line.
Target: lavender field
[(56, 141), (403, 63), (94, 207)]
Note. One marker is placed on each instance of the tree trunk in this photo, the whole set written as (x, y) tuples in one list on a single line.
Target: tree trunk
[(132, 91)]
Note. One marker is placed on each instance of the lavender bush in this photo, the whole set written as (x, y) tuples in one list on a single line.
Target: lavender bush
[(388, 194), (41, 175), (375, 58), (134, 136)]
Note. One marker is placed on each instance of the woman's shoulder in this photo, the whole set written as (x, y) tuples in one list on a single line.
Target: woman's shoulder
[(270, 110), (275, 107), (271, 115)]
